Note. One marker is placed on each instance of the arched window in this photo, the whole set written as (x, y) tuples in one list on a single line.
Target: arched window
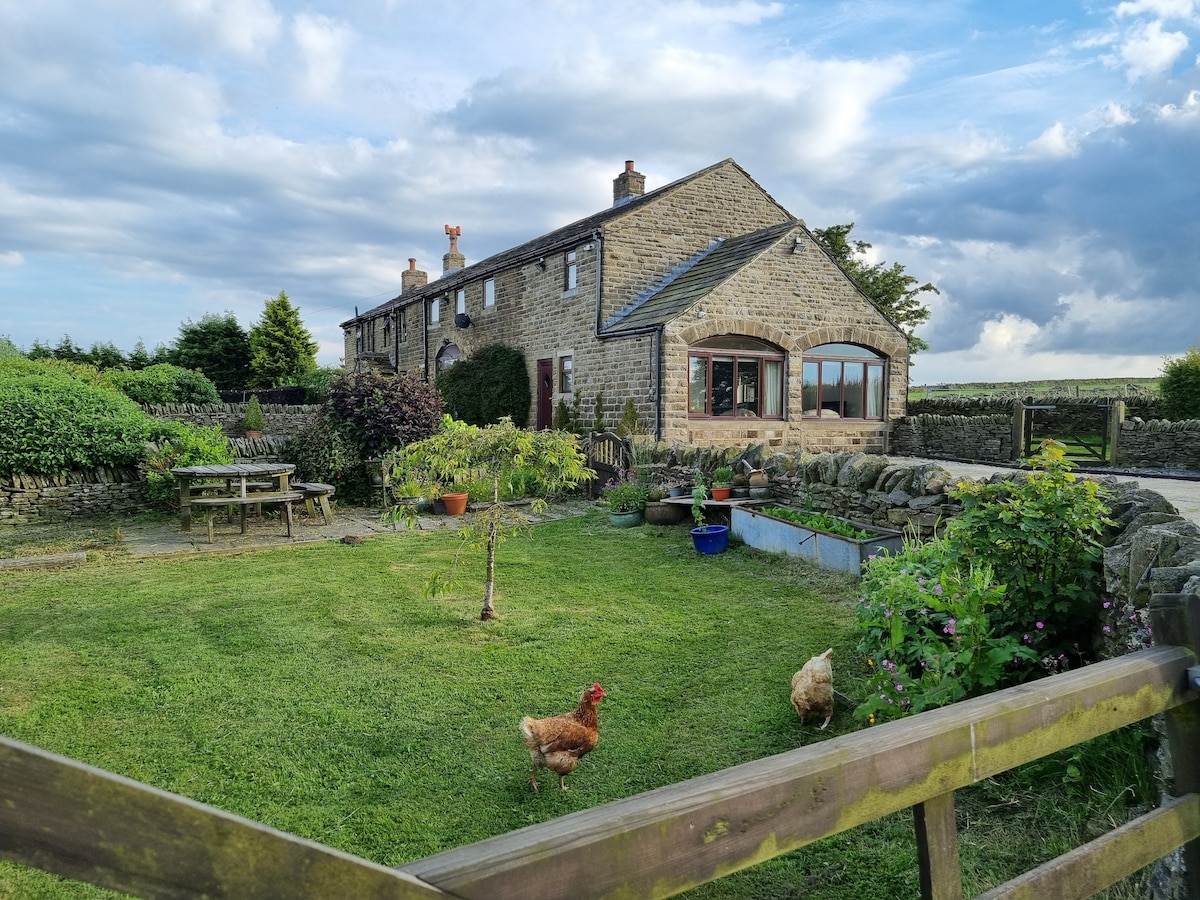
[(448, 356), (735, 375), (843, 381)]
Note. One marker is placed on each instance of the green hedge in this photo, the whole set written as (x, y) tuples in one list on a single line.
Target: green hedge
[(54, 423), (164, 383)]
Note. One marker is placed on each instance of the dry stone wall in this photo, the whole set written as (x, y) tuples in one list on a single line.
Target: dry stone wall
[(1159, 444), (47, 499), (281, 421), (986, 438)]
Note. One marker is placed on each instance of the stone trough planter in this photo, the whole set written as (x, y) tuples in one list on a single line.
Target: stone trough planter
[(829, 551)]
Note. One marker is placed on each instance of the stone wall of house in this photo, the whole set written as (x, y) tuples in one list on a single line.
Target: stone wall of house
[(983, 438), (46, 499), (281, 421), (1159, 444)]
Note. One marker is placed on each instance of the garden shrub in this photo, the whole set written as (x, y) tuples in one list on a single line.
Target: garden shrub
[(1180, 386), (1009, 593), (486, 386), (322, 453), (378, 413), (1041, 534), (55, 422), (164, 383), (183, 444)]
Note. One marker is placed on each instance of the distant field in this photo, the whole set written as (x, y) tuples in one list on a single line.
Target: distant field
[(1112, 387)]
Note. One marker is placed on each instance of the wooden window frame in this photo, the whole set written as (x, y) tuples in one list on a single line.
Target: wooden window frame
[(738, 357), (566, 374), (820, 363)]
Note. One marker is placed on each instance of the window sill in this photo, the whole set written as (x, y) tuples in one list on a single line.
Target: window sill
[(571, 294)]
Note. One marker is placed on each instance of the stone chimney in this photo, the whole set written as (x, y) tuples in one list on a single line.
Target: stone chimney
[(453, 261), (628, 185), (412, 277)]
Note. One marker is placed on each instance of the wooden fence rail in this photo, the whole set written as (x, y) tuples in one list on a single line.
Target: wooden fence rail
[(77, 821)]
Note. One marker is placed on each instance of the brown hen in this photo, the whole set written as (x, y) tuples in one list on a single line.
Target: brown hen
[(558, 742), (812, 687)]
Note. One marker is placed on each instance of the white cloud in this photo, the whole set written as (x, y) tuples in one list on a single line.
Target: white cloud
[(12, 258), (1149, 50), (323, 43), (1055, 141), (1163, 9), (1114, 115), (242, 27)]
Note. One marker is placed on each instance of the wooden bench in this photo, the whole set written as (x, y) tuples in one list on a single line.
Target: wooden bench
[(286, 498), (315, 490)]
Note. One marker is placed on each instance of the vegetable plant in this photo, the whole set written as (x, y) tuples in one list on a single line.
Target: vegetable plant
[(819, 521)]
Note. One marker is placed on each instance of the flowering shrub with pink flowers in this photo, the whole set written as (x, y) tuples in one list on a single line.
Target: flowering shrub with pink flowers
[(927, 629), (1011, 592)]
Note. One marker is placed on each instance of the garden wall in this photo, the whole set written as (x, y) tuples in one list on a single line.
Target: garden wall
[(1159, 443), (45, 499), (281, 421), (987, 438)]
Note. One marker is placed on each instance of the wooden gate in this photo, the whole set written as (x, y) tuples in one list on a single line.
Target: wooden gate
[(610, 455), (1082, 428)]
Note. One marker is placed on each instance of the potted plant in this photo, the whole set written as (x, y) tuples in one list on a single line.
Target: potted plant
[(626, 499), (707, 539), (253, 421), (658, 512), (722, 482), (760, 485)]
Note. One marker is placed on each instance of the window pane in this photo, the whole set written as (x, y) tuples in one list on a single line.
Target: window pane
[(572, 271), (747, 387), (435, 309), (853, 375), (835, 350), (722, 386), (698, 384), (831, 389), (812, 393), (772, 404), (565, 374), (460, 301), (489, 292), (875, 392)]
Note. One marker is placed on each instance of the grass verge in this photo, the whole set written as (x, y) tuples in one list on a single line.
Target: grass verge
[(317, 690)]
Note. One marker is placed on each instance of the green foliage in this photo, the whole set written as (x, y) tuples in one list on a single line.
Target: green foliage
[(629, 424), (699, 496), (163, 383), (819, 522), (217, 346), (487, 386), (1042, 536), (184, 445), (1008, 592), (54, 421), (464, 454), (889, 288), (1180, 386), (317, 382), (253, 419), (9, 350), (627, 495), (377, 413), (722, 476), (282, 350), (928, 629), (323, 453)]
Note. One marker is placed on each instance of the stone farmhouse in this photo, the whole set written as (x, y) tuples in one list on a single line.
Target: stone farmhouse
[(704, 301)]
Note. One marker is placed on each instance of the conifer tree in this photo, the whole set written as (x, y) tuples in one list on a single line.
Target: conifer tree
[(282, 350)]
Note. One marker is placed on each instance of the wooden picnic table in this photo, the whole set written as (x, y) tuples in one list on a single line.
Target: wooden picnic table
[(232, 481)]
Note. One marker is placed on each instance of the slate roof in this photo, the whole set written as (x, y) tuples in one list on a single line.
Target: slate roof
[(707, 270), (545, 245)]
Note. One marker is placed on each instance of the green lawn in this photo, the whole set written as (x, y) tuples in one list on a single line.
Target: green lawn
[(317, 690)]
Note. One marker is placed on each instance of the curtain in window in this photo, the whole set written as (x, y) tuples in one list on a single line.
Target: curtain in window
[(773, 388), (874, 392)]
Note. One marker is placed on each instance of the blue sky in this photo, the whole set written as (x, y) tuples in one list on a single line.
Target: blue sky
[(164, 159)]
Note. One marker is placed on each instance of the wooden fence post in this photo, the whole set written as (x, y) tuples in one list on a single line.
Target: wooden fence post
[(1018, 430), (1175, 620), (1116, 415)]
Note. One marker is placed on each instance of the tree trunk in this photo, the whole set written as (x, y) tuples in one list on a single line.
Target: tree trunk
[(489, 611)]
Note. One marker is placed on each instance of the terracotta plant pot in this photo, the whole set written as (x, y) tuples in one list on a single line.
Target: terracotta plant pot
[(456, 504), (721, 493)]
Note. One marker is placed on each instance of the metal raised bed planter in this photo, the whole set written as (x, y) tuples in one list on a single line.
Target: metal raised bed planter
[(829, 551)]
